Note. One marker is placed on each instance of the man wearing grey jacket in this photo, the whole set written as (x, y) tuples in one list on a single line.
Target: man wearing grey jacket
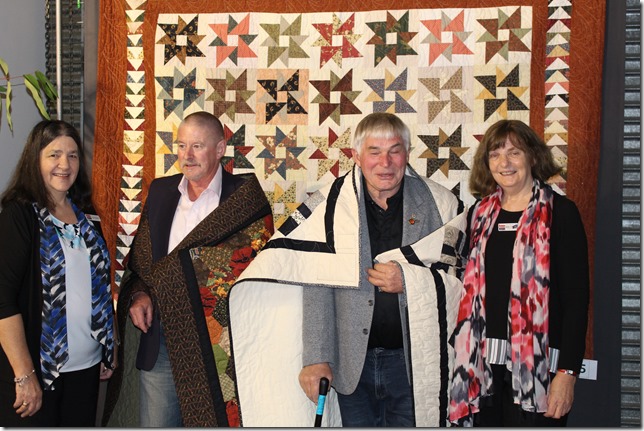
[(359, 338), (360, 285)]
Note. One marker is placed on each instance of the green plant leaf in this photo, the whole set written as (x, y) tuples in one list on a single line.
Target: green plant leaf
[(9, 94), (46, 85), (4, 67), (35, 94), (32, 79), (3, 89)]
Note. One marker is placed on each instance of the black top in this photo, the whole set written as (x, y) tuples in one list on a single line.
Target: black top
[(569, 281), (385, 233), (498, 275)]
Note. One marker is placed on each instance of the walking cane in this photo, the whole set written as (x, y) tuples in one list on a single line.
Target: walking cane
[(324, 388)]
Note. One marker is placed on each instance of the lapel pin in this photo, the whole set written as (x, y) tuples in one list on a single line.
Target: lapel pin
[(412, 220)]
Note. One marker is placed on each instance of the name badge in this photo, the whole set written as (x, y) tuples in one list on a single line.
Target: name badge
[(508, 227)]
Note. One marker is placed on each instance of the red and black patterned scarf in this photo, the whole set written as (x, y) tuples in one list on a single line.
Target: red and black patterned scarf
[(528, 310)]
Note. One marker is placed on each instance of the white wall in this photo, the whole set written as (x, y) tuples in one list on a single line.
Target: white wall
[(22, 45)]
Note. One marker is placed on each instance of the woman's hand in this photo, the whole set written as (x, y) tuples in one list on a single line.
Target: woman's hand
[(14, 345), (28, 397), (106, 373), (560, 395)]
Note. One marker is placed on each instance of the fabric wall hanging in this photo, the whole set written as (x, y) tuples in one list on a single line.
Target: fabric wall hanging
[(290, 80)]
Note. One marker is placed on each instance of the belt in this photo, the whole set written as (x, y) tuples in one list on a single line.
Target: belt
[(497, 353)]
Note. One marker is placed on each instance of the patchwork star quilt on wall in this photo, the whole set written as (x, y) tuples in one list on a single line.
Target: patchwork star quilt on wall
[(291, 80)]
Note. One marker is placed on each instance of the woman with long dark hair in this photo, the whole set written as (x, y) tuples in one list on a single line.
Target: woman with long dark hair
[(56, 312)]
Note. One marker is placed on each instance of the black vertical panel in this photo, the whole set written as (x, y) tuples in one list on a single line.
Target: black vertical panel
[(630, 397), (71, 59), (79, 37), (597, 403), (90, 66)]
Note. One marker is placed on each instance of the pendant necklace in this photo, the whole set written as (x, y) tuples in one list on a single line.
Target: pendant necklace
[(69, 233)]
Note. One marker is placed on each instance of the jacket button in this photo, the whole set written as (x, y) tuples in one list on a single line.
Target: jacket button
[(365, 331), (370, 302)]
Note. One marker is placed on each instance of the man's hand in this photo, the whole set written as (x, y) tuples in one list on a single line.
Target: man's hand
[(387, 277), (310, 379), (141, 311), (560, 395)]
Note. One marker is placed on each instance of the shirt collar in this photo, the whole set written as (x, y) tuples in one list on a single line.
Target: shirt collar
[(213, 187), (392, 200)]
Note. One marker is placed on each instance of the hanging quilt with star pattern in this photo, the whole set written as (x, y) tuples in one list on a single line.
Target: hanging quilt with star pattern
[(291, 80)]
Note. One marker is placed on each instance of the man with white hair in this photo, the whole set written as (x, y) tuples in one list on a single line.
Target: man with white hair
[(374, 258)]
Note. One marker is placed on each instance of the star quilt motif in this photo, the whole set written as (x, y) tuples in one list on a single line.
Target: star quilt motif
[(447, 37), (233, 30), (180, 40), (381, 40), (292, 32), (337, 51), (231, 95), (280, 152), (347, 97)]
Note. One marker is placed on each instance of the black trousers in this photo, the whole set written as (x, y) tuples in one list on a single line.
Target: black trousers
[(71, 404), (499, 410)]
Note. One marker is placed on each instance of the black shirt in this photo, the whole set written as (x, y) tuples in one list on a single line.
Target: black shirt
[(385, 233)]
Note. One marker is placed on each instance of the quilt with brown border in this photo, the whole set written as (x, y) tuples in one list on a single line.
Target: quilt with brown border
[(290, 80)]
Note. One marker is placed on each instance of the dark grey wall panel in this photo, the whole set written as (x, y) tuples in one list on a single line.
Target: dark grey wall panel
[(598, 403), (630, 376)]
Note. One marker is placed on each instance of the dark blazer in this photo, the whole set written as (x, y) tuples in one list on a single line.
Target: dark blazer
[(163, 198)]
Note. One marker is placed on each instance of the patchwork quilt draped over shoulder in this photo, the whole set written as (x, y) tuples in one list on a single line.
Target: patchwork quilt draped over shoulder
[(190, 288), (318, 246)]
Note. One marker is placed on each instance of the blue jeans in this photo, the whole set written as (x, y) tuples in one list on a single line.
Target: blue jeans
[(159, 405), (383, 397)]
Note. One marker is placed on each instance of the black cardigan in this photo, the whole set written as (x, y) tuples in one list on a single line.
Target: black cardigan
[(20, 278)]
